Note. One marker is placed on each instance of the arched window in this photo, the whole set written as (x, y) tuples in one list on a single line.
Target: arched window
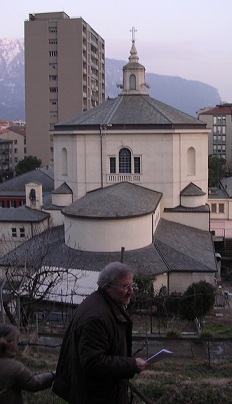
[(32, 195), (125, 161), (191, 161), (132, 82), (64, 160)]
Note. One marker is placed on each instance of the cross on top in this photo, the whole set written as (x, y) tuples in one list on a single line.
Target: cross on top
[(133, 31)]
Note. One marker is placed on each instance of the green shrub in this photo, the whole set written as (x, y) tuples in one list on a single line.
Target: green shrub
[(173, 334), (198, 300)]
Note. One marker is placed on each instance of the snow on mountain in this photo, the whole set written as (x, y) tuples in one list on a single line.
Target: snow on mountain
[(12, 97)]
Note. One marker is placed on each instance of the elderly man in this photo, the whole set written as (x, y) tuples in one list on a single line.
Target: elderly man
[(95, 361)]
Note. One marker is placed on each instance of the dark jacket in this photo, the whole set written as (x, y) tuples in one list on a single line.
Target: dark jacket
[(15, 377), (95, 360)]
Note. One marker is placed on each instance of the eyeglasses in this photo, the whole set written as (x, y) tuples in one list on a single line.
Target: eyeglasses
[(125, 287)]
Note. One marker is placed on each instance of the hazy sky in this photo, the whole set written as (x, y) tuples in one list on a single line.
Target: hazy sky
[(186, 38)]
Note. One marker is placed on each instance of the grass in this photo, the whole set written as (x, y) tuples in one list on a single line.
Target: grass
[(40, 363), (218, 330), (193, 383), (163, 383)]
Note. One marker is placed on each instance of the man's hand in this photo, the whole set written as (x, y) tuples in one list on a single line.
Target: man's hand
[(142, 364)]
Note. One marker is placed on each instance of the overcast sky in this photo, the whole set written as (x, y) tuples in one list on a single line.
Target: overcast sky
[(186, 38)]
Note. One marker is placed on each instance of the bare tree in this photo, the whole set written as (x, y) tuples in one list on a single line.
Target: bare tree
[(33, 273)]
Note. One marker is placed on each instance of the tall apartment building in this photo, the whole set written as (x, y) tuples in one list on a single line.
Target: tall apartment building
[(6, 159), (219, 120), (16, 134), (64, 75)]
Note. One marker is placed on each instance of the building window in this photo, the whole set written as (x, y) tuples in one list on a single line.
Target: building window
[(11, 204), (15, 151), (214, 120), (52, 41), (53, 65), (14, 232), (32, 195), (15, 141), (125, 161), (215, 129), (64, 159), (22, 232), (52, 29), (53, 89), (112, 165), (16, 159), (132, 82), (137, 168), (25, 150), (221, 208), (213, 207), (52, 53), (223, 129), (191, 161), (53, 77), (53, 114)]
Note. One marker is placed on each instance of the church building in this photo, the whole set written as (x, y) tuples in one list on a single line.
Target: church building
[(131, 181)]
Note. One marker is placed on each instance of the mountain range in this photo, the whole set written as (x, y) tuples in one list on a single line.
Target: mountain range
[(186, 95)]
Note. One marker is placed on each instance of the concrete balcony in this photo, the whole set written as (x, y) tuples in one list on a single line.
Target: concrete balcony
[(112, 178)]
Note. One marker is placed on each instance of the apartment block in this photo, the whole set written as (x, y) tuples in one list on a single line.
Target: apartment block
[(219, 120), (64, 75), (16, 134), (6, 157)]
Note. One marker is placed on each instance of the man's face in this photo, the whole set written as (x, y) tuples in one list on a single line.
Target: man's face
[(122, 290)]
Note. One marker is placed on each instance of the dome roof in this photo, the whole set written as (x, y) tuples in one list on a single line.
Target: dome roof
[(117, 201), (132, 108)]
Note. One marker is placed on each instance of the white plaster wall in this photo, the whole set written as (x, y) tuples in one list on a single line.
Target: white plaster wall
[(163, 159), (156, 218), (161, 280), (56, 217), (108, 235), (61, 199), (140, 80), (38, 192), (193, 201), (182, 142), (221, 223), (84, 162), (8, 243), (196, 220), (227, 215), (179, 282)]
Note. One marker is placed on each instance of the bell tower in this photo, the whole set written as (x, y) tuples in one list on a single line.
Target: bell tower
[(133, 72)]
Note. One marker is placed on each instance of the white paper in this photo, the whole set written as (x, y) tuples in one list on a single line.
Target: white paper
[(158, 356)]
